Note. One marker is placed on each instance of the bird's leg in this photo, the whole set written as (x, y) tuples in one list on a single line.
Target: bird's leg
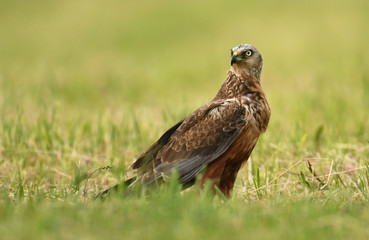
[(229, 177), (213, 173)]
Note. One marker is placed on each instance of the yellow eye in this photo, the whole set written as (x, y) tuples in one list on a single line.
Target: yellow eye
[(248, 53)]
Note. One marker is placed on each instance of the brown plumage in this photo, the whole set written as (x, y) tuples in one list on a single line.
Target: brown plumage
[(219, 136)]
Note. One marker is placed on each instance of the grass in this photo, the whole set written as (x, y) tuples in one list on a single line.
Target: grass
[(85, 85)]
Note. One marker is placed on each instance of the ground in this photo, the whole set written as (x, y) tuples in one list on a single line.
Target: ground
[(85, 85)]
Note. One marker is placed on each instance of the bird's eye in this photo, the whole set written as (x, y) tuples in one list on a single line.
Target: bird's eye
[(231, 52), (248, 53)]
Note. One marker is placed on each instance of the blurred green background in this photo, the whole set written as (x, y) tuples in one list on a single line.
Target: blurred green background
[(84, 84), (92, 55)]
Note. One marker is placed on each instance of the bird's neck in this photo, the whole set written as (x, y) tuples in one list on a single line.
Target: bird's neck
[(238, 85), (242, 70)]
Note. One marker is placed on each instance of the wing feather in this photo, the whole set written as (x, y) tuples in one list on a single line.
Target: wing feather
[(151, 152), (199, 139)]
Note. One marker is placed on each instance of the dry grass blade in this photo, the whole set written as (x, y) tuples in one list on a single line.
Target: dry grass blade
[(329, 176), (280, 175), (90, 175), (311, 177)]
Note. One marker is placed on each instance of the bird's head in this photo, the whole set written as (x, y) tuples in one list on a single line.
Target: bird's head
[(246, 60)]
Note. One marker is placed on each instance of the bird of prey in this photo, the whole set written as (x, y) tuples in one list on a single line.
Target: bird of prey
[(218, 137)]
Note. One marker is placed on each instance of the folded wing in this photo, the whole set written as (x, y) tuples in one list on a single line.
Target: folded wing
[(193, 143)]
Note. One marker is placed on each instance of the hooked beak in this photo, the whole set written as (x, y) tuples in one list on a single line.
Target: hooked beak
[(234, 58)]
